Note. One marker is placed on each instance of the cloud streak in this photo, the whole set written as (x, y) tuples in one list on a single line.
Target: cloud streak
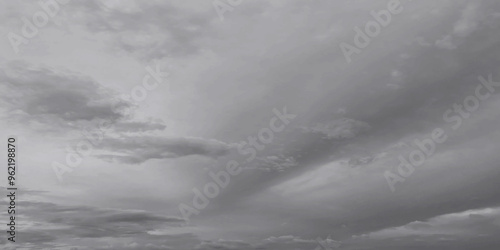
[(139, 149)]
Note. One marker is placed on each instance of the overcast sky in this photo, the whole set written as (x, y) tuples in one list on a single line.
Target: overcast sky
[(170, 92)]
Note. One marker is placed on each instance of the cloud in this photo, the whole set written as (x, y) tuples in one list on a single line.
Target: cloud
[(471, 223), (275, 163), (50, 98), (289, 242), (94, 222), (139, 126), (139, 149), (150, 30), (224, 245), (56, 225), (357, 161), (342, 128), (468, 23), (472, 229), (288, 239)]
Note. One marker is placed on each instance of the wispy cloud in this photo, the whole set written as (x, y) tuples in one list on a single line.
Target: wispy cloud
[(138, 149)]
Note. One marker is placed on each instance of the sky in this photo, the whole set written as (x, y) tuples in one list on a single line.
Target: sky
[(252, 124)]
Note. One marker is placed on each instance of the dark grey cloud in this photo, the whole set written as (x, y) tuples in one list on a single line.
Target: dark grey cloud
[(51, 98), (57, 226), (46, 224), (94, 222)]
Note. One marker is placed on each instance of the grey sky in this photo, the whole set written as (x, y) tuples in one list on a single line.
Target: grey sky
[(321, 175)]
